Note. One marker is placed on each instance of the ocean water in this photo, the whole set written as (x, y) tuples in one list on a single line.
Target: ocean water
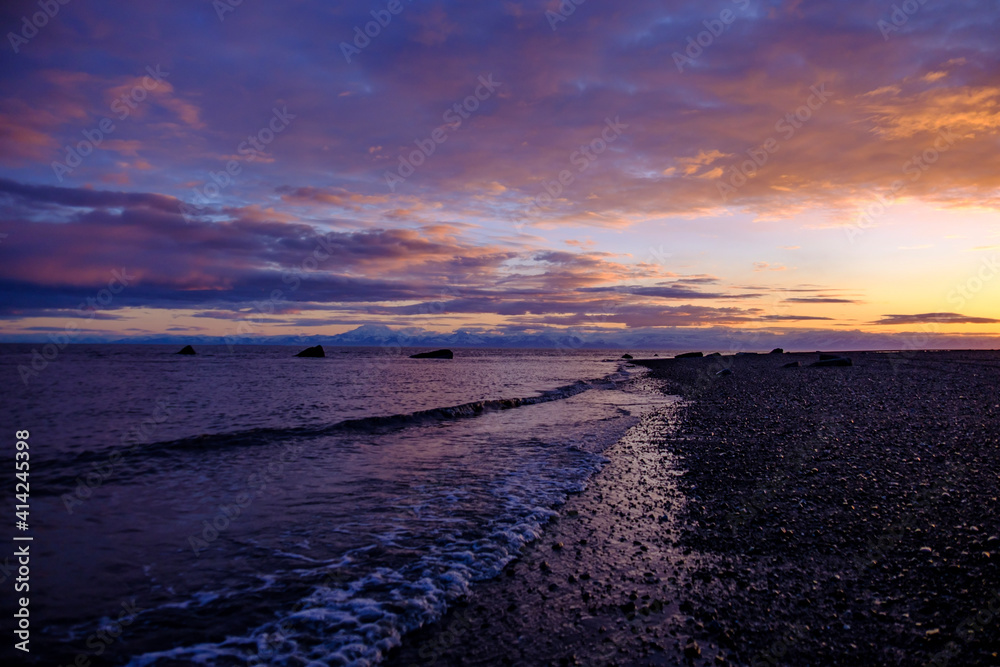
[(249, 507)]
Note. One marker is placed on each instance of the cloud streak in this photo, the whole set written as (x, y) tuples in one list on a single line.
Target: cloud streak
[(935, 318)]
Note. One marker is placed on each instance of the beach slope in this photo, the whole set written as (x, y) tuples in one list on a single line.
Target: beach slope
[(837, 515)]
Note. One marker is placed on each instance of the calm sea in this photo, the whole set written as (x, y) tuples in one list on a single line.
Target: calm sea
[(249, 507)]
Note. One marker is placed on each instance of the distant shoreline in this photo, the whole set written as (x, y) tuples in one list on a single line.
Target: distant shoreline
[(663, 352)]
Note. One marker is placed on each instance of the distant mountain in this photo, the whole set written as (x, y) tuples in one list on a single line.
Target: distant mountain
[(678, 339), (369, 334)]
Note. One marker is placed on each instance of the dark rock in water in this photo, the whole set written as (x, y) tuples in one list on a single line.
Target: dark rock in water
[(312, 352), (834, 361), (656, 355), (436, 354), (792, 364), (690, 355), (187, 349), (627, 356), (777, 350), (827, 357), (724, 372)]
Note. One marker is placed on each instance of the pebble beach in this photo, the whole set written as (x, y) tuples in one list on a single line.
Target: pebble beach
[(840, 515)]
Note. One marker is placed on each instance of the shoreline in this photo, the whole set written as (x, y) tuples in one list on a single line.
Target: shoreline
[(823, 516), (857, 505), (596, 588)]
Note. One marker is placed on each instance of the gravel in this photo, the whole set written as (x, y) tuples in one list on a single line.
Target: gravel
[(853, 510), (842, 515)]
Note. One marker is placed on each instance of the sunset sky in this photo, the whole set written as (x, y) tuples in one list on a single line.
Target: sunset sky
[(503, 166)]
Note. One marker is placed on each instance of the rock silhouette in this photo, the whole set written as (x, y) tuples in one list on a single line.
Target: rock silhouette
[(313, 352), (187, 349), (833, 361), (436, 354)]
